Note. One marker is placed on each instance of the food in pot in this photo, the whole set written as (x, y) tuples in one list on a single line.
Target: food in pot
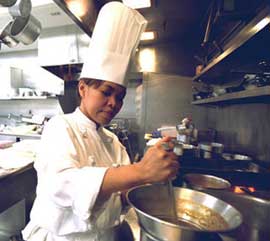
[(200, 215), (196, 216)]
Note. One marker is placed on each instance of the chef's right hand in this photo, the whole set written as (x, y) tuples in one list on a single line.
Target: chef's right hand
[(158, 163)]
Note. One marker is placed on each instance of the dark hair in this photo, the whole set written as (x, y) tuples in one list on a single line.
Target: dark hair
[(90, 82)]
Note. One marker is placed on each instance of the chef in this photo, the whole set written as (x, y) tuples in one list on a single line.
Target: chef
[(82, 168)]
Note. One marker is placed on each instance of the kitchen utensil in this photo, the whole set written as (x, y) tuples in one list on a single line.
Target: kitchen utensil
[(172, 200), (197, 213), (236, 157), (202, 181), (7, 3), (25, 30), (6, 37), (22, 8), (255, 213), (205, 150), (217, 147), (172, 207)]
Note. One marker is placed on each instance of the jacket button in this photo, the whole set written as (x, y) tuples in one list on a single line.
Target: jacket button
[(91, 160)]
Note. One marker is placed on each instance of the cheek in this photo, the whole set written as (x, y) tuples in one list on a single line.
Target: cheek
[(119, 106)]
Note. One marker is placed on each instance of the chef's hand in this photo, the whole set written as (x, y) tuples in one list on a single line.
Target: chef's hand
[(159, 162)]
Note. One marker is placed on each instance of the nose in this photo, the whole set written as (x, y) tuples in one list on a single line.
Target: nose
[(112, 101)]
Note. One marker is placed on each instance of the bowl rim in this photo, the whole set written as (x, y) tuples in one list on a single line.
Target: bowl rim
[(238, 213)]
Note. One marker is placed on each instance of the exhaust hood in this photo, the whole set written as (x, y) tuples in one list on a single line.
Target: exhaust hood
[(82, 12)]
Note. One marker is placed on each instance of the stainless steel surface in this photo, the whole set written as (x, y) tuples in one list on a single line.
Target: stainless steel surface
[(202, 181), (217, 147), (7, 3), (255, 212), (196, 211), (25, 30), (239, 157), (6, 38), (12, 220), (178, 19), (202, 237), (21, 8), (216, 66), (171, 197)]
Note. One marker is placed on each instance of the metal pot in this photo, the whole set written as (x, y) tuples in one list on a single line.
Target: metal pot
[(255, 213), (6, 38), (235, 157), (217, 147), (25, 30), (21, 8), (198, 213), (7, 3), (202, 181)]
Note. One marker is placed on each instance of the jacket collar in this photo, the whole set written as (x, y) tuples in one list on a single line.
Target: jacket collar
[(84, 121)]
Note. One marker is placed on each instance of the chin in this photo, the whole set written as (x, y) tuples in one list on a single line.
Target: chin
[(104, 121)]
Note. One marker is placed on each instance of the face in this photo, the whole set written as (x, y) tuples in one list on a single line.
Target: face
[(101, 103)]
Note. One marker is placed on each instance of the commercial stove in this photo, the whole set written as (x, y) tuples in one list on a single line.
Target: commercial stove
[(249, 193)]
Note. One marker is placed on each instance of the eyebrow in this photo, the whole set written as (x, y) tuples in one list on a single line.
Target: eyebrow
[(112, 88)]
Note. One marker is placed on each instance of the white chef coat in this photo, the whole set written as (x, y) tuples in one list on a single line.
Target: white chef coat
[(70, 167)]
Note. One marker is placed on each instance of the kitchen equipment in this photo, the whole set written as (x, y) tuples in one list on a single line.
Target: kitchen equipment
[(201, 181), (7, 3), (172, 208), (198, 213), (6, 38), (236, 157), (217, 148), (205, 150), (25, 30), (190, 151), (255, 213), (239, 161), (21, 8)]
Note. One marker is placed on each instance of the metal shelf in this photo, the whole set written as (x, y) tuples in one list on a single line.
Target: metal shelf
[(28, 136), (242, 50), (259, 91), (28, 98)]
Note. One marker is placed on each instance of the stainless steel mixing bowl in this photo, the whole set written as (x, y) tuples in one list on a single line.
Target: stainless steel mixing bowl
[(197, 213)]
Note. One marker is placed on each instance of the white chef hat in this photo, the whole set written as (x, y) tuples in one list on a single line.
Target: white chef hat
[(114, 40)]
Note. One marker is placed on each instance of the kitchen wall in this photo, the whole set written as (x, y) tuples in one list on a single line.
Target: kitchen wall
[(242, 127), (167, 88)]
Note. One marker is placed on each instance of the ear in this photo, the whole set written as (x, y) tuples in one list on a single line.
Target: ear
[(82, 88)]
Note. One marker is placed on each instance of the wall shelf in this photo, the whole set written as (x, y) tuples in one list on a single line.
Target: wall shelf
[(245, 94), (24, 136), (245, 49)]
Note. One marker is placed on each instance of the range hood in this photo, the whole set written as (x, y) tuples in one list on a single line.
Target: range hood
[(82, 12)]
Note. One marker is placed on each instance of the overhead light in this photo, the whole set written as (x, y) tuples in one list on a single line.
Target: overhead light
[(148, 35), (147, 60), (137, 3), (76, 8)]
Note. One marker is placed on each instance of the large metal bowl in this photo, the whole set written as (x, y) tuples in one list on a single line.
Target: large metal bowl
[(202, 181), (197, 213)]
